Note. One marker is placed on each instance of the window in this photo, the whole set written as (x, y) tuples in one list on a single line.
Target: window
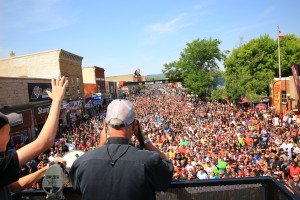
[(68, 88), (78, 85), (283, 96), (73, 90)]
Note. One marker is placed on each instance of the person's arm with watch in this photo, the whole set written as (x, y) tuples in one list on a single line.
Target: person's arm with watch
[(147, 142)]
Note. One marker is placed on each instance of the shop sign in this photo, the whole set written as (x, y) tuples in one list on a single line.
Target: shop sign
[(74, 105), (37, 91), (97, 102), (96, 96), (42, 110), (277, 93)]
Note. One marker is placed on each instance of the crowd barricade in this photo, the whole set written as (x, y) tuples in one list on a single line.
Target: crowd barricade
[(254, 188)]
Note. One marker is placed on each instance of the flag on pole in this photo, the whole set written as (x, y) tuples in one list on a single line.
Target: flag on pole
[(280, 35)]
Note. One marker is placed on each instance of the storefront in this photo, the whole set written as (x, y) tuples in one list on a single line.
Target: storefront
[(74, 109), (21, 133), (40, 113)]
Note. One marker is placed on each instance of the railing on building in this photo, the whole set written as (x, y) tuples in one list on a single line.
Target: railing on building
[(256, 188)]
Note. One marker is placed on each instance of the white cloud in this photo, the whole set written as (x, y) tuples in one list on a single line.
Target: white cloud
[(172, 26), (266, 12), (243, 29)]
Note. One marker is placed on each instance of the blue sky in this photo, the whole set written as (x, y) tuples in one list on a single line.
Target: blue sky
[(121, 36)]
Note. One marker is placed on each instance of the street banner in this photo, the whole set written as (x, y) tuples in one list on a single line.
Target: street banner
[(296, 74), (276, 94)]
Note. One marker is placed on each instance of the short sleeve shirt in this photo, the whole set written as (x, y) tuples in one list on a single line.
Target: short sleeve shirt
[(9, 168), (9, 172)]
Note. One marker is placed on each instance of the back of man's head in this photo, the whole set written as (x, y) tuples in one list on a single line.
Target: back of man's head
[(120, 113)]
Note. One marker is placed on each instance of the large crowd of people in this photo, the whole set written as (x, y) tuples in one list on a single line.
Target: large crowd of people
[(204, 140)]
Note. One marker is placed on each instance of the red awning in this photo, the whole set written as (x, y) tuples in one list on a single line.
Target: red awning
[(244, 100)]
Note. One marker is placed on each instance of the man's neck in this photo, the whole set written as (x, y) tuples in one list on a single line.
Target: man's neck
[(118, 140)]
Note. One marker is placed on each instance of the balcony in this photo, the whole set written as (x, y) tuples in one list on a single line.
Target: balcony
[(256, 188)]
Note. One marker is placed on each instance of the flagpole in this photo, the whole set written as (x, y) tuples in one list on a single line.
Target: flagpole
[(280, 105), (279, 54)]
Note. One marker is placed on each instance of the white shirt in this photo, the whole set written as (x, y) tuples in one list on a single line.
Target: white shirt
[(202, 175)]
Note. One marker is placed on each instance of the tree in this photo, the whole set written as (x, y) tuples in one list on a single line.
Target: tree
[(219, 94), (197, 67), (251, 67)]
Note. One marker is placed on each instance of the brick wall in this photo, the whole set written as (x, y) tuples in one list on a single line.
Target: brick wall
[(14, 90)]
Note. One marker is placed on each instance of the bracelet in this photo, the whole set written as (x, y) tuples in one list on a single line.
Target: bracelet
[(146, 141)]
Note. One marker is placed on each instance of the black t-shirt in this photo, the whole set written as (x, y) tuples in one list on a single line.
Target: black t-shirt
[(9, 168), (9, 172), (255, 140)]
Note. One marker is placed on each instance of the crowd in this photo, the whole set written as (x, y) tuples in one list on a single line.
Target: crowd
[(204, 140)]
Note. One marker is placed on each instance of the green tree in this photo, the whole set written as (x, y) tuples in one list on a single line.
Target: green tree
[(197, 67), (219, 94), (251, 67)]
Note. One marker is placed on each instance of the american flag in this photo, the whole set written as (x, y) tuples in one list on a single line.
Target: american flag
[(280, 35)]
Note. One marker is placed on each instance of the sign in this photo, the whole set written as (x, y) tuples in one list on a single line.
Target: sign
[(296, 73), (146, 82), (276, 95), (42, 110), (97, 102), (37, 91), (96, 96), (74, 105)]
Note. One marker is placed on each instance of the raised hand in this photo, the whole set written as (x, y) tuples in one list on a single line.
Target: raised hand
[(59, 86)]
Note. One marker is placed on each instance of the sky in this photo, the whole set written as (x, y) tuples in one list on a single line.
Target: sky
[(121, 36)]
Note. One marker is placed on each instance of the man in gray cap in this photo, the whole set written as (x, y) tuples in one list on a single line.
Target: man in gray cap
[(117, 170), (11, 161)]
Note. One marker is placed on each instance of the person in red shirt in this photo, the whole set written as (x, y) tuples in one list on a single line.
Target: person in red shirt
[(293, 169), (249, 141)]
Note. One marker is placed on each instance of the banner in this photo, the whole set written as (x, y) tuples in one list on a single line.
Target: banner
[(146, 82), (37, 91), (276, 95), (74, 105), (296, 73)]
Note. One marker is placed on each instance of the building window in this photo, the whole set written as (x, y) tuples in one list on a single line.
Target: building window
[(73, 90), (68, 88), (78, 85), (283, 96)]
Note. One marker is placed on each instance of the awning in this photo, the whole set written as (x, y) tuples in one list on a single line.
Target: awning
[(244, 100)]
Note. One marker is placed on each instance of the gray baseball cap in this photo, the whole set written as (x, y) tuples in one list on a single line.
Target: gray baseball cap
[(122, 110), (11, 119)]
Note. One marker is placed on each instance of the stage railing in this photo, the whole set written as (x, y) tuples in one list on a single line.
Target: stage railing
[(256, 188)]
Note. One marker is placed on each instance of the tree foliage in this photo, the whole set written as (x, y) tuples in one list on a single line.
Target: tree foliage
[(251, 67), (219, 94), (197, 67)]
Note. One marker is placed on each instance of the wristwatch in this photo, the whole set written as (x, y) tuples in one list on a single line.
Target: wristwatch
[(146, 141)]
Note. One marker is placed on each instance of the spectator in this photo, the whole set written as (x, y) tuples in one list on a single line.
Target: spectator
[(11, 161)]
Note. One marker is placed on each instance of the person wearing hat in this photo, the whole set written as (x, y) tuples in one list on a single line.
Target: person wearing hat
[(12, 160), (117, 169)]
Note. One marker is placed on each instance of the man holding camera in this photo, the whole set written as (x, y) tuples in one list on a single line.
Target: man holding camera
[(117, 170)]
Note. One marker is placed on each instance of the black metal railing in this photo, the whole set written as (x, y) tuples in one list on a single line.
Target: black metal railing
[(256, 188)]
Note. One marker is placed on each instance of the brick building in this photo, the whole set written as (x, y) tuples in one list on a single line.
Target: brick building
[(35, 71), (93, 80), (19, 95)]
